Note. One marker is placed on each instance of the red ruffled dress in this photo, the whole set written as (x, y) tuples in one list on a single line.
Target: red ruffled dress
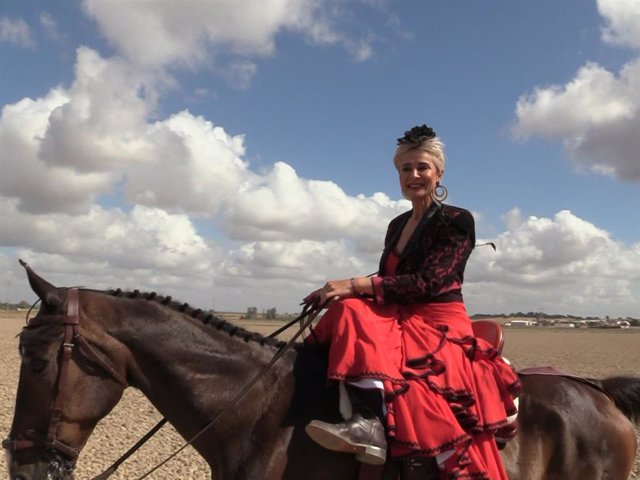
[(445, 390)]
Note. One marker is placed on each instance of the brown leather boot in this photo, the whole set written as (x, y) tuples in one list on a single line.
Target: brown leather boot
[(359, 435)]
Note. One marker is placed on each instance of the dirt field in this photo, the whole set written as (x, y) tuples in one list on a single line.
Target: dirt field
[(591, 352)]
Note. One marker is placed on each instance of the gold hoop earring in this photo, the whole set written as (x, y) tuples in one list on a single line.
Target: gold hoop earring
[(440, 193)]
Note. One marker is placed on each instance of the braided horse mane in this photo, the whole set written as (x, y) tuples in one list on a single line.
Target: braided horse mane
[(206, 317)]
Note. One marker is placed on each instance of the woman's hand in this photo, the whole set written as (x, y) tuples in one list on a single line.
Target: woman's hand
[(332, 291)]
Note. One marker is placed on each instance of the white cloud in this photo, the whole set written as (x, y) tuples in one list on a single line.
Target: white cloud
[(295, 260), (62, 151), (50, 26), (593, 99), (146, 248), (360, 50), (194, 166), (103, 123), (144, 238), (16, 32), (280, 204), (562, 264), (155, 35), (596, 114), (25, 176), (239, 74), (623, 21)]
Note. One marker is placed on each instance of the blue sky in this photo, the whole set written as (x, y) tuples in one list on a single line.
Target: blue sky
[(239, 153)]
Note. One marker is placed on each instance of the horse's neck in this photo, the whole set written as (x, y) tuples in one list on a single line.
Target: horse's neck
[(187, 369)]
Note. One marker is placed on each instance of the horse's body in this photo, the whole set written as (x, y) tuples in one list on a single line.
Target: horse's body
[(190, 365)]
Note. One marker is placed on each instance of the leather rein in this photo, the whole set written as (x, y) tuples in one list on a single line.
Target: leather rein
[(50, 441)]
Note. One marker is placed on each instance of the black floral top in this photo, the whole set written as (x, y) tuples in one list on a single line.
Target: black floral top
[(431, 266)]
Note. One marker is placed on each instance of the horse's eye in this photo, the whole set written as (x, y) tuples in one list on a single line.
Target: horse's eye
[(38, 365)]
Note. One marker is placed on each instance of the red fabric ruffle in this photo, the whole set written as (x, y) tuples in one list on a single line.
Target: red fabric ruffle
[(445, 389)]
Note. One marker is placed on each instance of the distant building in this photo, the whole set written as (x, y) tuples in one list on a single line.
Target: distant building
[(565, 325), (521, 323)]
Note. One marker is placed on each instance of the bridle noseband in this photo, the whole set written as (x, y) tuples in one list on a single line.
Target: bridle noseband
[(49, 441)]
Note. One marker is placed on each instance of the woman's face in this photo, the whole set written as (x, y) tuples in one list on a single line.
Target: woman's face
[(418, 175)]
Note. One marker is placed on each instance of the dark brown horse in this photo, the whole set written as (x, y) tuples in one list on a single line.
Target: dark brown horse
[(85, 347)]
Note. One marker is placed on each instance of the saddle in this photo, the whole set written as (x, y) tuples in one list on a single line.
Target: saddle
[(490, 331)]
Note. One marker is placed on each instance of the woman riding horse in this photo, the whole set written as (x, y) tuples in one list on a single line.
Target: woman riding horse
[(85, 346), (402, 345)]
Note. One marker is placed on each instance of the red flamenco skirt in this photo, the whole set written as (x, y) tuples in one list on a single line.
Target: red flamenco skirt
[(445, 389)]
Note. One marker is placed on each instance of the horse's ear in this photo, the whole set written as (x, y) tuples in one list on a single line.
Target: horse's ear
[(47, 293)]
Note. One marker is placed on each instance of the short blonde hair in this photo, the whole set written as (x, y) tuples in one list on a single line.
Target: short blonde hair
[(433, 146)]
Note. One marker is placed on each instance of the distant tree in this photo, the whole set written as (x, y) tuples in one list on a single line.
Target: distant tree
[(23, 304), (271, 314), (252, 312)]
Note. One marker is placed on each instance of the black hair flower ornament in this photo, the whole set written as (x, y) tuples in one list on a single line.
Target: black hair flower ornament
[(417, 135)]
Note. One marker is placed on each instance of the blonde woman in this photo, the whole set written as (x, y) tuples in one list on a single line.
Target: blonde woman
[(401, 344)]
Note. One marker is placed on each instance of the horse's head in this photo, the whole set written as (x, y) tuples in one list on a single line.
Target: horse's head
[(68, 382)]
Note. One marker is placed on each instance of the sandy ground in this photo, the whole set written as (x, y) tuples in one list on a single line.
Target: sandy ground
[(595, 353)]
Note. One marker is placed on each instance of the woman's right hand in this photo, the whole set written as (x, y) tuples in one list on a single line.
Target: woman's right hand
[(332, 291), (313, 297)]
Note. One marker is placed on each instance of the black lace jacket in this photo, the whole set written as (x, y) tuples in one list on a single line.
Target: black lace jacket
[(431, 266)]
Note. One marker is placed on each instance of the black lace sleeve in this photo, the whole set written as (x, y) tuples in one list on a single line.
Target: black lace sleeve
[(435, 264)]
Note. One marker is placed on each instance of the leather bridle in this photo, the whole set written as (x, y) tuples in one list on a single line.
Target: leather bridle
[(50, 440)]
